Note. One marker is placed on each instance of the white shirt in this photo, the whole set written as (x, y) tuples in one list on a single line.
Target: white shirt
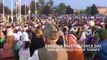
[(24, 36), (24, 54), (83, 37), (34, 56), (19, 33), (16, 36)]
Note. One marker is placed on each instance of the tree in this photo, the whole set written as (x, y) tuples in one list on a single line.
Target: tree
[(42, 3), (82, 12), (61, 9), (33, 7), (51, 3), (6, 9), (88, 10), (69, 10), (47, 10), (1, 6), (23, 9), (94, 9), (39, 9), (14, 11)]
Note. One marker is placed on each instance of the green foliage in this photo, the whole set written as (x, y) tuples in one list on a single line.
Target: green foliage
[(92, 10), (42, 3), (102, 34), (33, 7), (69, 10), (51, 3), (38, 8), (47, 10), (40, 11), (6, 9), (88, 10), (61, 9), (23, 9), (82, 12)]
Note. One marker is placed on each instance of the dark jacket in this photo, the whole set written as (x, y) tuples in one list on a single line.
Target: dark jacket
[(36, 43)]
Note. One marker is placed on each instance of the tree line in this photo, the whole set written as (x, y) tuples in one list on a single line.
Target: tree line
[(42, 7)]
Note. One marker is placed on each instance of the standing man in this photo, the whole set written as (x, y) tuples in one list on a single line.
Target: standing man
[(51, 35)]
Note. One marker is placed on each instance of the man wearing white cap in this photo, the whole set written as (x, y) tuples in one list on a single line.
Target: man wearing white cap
[(24, 44)]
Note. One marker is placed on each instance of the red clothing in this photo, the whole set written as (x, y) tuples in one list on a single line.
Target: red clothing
[(6, 55), (74, 55), (10, 41)]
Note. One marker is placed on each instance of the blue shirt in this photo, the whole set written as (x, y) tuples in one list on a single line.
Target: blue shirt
[(102, 54)]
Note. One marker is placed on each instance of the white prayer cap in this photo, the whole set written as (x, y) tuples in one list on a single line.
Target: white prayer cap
[(27, 40), (91, 23), (24, 36), (74, 29), (36, 25), (25, 28), (17, 27), (10, 31), (66, 27)]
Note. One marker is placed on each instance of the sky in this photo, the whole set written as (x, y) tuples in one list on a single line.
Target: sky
[(75, 4)]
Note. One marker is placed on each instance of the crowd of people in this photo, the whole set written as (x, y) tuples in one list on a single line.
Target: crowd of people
[(40, 37)]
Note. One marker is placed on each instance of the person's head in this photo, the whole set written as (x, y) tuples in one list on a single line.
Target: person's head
[(39, 33), (17, 28), (10, 31), (51, 32), (26, 44), (39, 27), (81, 29), (25, 28), (65, 30), (91, 23)]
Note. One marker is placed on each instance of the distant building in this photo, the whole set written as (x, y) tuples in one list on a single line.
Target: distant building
[(102, 10), (78, 11)]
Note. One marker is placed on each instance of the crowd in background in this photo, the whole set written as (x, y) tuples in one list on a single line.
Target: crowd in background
[(27, 39)]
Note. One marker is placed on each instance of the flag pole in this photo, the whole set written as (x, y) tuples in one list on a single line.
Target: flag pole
[(20, 10), (29, 9), (25, 7), (3, 10), (16, 8), (35, 7), (12, 10)]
